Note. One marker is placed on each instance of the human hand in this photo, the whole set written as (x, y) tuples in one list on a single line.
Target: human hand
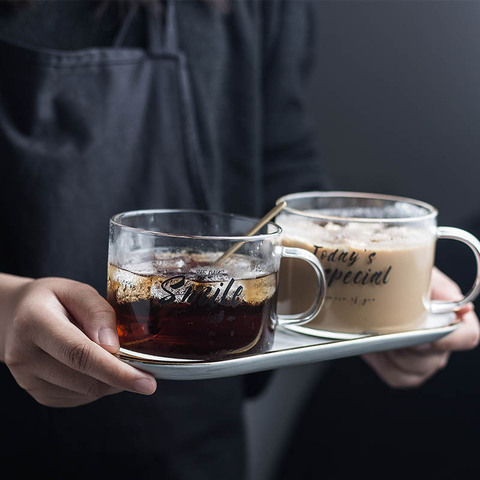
[(58, 343), (410, 367)]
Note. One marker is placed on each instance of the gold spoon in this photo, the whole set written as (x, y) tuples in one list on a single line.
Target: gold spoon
[(262, 222)]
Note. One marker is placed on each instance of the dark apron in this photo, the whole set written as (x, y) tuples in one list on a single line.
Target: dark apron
[(84, 135), (87, 134)]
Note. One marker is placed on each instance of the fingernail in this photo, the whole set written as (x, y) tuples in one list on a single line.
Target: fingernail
[(107, 337), (145, 386)]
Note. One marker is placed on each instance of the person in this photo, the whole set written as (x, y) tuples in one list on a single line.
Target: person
[(188, 104)]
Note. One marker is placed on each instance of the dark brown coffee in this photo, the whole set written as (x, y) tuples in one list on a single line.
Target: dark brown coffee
[(172, 307)]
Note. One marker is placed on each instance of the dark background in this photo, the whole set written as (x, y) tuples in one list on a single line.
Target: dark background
[(396, 102)]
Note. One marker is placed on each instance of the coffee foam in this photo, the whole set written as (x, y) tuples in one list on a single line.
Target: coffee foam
[(359, 235), (395, 210)]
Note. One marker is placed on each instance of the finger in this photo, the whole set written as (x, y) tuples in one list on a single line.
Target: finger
[(37, 364), (417, 362), (464, 310), (389, 372), (443, 287), (465, 337), (52, 395), (55, 373), (58, 337), (92, 313)]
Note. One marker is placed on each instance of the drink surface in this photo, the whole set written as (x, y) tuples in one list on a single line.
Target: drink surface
[(377, 276), (179, 305)]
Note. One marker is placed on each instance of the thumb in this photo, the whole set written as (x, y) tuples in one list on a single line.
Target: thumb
[(90, 312)]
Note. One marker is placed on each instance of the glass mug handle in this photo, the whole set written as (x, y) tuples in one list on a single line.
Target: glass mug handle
[(311, 313), (451, 233)]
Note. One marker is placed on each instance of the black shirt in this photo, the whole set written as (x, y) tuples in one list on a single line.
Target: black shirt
[(248, 70)]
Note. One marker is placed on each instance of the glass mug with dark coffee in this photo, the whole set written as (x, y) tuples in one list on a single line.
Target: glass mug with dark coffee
[(174, 296), (377, 252)]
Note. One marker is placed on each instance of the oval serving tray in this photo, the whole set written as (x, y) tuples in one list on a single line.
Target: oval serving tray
[(292, 346)]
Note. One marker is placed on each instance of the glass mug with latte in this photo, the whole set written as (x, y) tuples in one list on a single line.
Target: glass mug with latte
[(377, 252), (175, 295)]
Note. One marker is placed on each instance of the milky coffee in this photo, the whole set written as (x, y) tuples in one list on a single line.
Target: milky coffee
[(377, 276)]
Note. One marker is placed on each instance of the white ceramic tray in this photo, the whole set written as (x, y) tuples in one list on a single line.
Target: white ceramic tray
[(293, 346)]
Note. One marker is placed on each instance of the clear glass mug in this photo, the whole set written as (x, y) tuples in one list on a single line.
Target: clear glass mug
[(174, 298), (377, 252)]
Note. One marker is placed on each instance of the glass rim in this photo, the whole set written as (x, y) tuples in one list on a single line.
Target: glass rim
[(432, 212), (116, 220)]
